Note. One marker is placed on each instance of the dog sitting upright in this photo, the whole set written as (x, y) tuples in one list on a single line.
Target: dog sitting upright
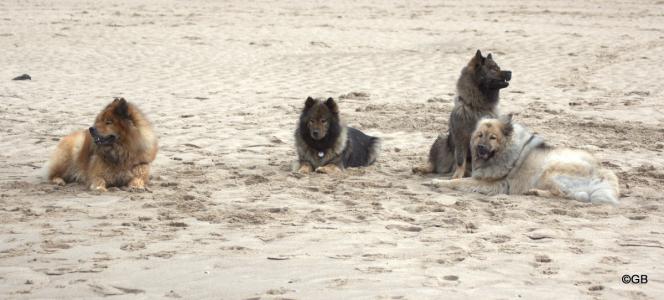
[(325, 144)]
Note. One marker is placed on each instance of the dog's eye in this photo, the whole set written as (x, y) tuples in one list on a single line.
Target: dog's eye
[(493, 137), (108, 122), (324, 121), (481, 135)]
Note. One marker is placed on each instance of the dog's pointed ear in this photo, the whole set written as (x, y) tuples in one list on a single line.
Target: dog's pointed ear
[(478, 59), (332, 105), (489, 56), (309, 103), (508, 128), (121, 108)]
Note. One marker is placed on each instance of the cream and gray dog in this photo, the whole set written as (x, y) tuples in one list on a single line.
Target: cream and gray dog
[(508, 159)]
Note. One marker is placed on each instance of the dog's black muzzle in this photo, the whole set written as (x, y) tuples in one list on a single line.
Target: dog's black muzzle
[(484, 152), (507, 75), (100, 139)]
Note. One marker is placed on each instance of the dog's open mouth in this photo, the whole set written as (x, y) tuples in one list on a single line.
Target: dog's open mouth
[(100, 139), (499, 83), (484, 154), (104, 140), (507, 76)]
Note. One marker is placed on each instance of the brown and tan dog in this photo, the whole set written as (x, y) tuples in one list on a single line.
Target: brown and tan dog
[(116, 151)]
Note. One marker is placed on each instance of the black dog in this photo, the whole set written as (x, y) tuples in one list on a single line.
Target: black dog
[(325, 144)]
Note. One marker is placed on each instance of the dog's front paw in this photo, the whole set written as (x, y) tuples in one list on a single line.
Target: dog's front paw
[(98, 185), (329, 169), (58, 181), (458, 174), (442, 183), (305, 169), (98, 188), (137, 183), (138, 189)]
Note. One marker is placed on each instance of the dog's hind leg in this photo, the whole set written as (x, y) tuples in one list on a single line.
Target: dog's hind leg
[(460, 170), (603, 195), (424, 169), (55, 169), (606, 189), (460, 159), (141, 177), (431, 166), (444, 158), (582, 188), (612, 180), (539, 193)]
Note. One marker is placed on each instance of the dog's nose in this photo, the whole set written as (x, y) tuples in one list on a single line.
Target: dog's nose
[(93, 130), (507, 75), (482, 150), (315, 133)]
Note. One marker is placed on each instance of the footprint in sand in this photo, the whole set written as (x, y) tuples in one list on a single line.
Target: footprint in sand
[(451, 277), (111, 290)]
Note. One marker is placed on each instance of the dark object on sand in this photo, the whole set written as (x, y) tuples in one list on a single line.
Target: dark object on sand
[(23, 77)]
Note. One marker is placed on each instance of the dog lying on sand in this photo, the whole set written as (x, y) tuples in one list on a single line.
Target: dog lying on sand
[(508, 159), (116, 151), (325, 144)]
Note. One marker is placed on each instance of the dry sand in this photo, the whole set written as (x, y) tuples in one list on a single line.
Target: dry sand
[(223, 83)]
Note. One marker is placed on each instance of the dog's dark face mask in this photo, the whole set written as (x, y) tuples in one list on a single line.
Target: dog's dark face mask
[(319, 123), (115, 118), (319, 117), (489, 76), (101, 139)]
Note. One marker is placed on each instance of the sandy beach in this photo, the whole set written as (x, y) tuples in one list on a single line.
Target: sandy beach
[(223, 83)]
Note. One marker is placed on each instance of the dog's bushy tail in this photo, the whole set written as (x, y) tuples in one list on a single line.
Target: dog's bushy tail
[(607, 189), (602, 189), (374, 149)]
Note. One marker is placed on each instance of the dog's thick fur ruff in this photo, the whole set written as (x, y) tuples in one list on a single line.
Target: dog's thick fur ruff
[(524, 164), (116, 151)]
